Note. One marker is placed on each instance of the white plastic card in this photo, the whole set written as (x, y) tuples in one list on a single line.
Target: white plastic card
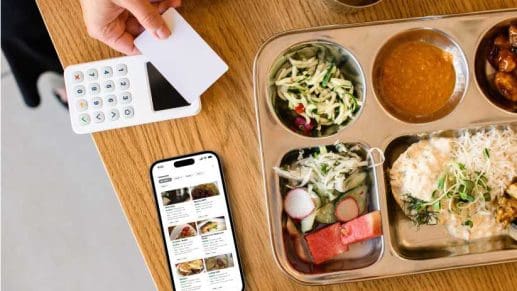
[(184, 58)]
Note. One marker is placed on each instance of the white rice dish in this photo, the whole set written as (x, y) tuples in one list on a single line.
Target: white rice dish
[(418, 168), (500, 167), (455, 181)]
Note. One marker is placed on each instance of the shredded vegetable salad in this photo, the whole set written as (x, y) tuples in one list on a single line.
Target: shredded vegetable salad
[(326, 184), (324, 172), (316, 92)]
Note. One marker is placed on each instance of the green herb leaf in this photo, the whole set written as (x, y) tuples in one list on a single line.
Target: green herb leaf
[(419, 212), (436, 206), (294, 90), (486, 153), (325, 169), (482, 180), (468, 223), (449, 194), (326, 79), (469, 186), (441, 182), (435, 194)]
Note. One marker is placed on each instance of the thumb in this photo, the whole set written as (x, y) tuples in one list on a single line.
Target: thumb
[(148, 16)]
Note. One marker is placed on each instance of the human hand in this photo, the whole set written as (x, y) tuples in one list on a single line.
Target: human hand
[(118, 22)]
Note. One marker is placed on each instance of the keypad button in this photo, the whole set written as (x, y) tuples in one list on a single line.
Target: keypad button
[(84, 119), (92, 74), (98, 116), (128, 112), (96, 102), (78, 77), (123, 84), (82, 105), (108, 86), (79, 91), (107, 72), (94, 88), (125, 97), (121, 69), (113, 114), (111, 100)]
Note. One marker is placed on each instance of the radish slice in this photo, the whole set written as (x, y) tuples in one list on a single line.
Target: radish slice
[(298, 203), (347, 209)]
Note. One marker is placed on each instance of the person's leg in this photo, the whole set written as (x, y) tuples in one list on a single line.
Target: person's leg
[(27, 46)]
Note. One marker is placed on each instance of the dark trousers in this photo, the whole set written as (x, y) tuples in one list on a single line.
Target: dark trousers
[(27, 46)]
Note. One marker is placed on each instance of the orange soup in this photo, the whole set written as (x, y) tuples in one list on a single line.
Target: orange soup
[(417, 79)]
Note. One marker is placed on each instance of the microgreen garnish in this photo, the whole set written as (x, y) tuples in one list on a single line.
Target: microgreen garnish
[(419, 211), (486, 153), (460, 186)]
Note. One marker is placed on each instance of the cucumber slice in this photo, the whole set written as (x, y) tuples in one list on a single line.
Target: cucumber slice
[(316, 199), (308, 222), (356, 179), (326, 214)]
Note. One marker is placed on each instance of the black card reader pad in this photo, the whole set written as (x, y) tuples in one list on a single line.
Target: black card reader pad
[(163, 94)]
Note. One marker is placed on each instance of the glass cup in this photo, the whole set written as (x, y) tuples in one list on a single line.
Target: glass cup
[(352, 5)]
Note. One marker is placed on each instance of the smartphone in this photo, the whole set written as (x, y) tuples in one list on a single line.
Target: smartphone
[(196, 223)]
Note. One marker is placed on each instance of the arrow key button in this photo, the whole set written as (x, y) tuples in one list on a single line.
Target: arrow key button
[(84, 119), (98, 117), (113, 114)]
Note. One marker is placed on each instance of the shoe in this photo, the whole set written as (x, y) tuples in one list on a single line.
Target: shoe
[(48, 85)]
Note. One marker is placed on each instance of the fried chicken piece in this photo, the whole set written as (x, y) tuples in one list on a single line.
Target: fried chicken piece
[(512, 33), (506, 84), (506, 210), (501, 41), (506, 60), (512, 189), (501, 54), (493, 55)]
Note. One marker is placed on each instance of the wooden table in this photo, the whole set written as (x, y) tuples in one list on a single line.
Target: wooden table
[(236, 29)]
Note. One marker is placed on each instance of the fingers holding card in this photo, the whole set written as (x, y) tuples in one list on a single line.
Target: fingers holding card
[(184, 59)]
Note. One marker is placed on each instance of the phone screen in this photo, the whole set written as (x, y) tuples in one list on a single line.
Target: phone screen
[(196, 223)]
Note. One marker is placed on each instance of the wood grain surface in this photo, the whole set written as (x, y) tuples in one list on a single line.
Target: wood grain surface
[(226, 125)]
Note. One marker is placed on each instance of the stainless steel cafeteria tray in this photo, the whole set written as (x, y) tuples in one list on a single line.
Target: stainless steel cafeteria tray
[(398, 252)]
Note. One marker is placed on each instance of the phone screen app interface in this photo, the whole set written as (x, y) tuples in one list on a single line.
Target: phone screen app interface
[(196, 224)]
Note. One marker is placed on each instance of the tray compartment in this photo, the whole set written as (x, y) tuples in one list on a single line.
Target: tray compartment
[(359, 256), (433, 37), (346, 63), (484, 71), (430, 241)]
